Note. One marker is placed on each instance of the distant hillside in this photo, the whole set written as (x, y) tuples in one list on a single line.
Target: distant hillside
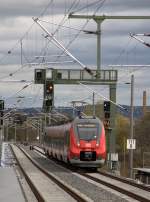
[(138, 111)]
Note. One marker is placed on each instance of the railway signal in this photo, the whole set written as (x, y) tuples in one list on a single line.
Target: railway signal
[(1, 111), (106, 121), (107, 109), (1, 117), (49, 88), (49, 95), (106, 106), (49, 103), (1, 104)]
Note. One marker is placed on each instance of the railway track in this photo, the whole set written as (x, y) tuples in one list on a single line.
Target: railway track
[(75, 194), (125, 180), (125, 188), (122, 185)]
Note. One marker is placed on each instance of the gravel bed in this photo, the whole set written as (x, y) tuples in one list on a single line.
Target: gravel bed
[(7, 158), (94, 191)]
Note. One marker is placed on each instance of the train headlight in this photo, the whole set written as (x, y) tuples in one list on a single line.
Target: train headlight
[(97, 144), (78, 144)]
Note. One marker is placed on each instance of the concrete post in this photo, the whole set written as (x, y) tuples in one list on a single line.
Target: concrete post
[(112, 133), (131, 124)]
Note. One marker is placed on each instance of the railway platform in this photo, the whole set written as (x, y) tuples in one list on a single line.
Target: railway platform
[(10, 189)]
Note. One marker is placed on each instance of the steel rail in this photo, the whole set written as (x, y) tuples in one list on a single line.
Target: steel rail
[(114, 187), (29, 181), (121, 179), (127, 181), (66, 188)]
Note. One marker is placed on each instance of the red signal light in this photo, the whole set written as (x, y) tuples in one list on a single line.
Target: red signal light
[(49, 88)]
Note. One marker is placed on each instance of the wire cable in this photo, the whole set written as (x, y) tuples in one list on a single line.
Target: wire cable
[(87, 6), (76, 36)]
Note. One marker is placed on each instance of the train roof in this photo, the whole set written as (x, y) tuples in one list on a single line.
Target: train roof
[(87, 119), (78, 119)]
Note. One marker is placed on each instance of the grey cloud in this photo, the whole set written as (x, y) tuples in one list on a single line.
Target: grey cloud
[(34, 8), (127, 5), (21, 8), (114, 35)]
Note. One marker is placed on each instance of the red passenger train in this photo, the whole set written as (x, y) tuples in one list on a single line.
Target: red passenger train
[(81, 142)]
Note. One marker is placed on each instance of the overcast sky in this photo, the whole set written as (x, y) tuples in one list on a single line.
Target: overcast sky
[(118, 48)]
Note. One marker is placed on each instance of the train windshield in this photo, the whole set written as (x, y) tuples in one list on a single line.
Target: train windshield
[(87, 131)]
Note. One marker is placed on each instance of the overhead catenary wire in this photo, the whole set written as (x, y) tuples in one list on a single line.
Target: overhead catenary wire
[(100, 6), (63, 26), (87, 6), (138, 66), (130, 72), (12, 73), (82, 29), (21, 38), (14, 94), (22, 67), (87, 21), (18, 42), (58, 44), (16, 71), (92, 90), (36, 97), (62, 21), (123, 51), (135, 36)]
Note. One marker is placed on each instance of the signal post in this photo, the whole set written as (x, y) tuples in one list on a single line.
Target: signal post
[(48, 96), (40, 77), (1, 123)]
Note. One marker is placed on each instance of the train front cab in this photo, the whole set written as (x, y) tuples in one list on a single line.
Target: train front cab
[(87, 143)]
